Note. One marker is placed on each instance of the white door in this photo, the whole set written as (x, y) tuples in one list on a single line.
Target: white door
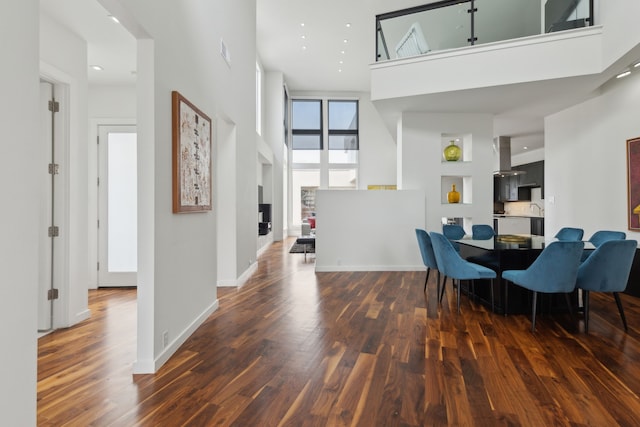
[(117, 206)]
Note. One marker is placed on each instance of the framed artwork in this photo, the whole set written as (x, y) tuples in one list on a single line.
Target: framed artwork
[(191, 131), (633, 183)]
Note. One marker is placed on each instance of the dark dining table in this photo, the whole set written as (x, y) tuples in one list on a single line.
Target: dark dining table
[(508, 252)]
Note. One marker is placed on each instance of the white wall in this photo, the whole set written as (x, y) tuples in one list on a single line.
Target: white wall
[(68, 66), (180, 276), (585, 165), (422, 166), (274, 136), (19, 246), (363, 230), (112, 101)]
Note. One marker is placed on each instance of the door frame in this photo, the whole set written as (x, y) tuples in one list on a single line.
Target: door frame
[(93, 173), (61, 87)]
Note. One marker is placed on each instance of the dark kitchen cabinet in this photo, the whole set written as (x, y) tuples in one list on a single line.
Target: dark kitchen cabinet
[(510, 189), (537, 226), (534, 176)]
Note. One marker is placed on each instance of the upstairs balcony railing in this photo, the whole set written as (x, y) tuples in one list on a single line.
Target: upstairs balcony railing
[(452, 24)]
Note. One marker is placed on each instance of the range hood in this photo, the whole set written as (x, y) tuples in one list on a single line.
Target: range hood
[(502, 148)]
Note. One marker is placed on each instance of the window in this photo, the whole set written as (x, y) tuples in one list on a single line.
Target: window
[(314, 164), (343, 131), (306, 128)]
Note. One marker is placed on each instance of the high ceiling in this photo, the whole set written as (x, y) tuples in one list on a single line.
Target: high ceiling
[(334, 55)]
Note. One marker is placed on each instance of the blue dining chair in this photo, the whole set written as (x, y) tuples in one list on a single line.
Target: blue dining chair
[(601, 236), (482, 232), (606, 270), (452, 265), (554, 271), (570, 234), (453, 232), (428, 257)]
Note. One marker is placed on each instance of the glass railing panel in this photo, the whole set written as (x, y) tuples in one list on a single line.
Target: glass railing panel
[(423, 32), (562, 15), (497, 20)]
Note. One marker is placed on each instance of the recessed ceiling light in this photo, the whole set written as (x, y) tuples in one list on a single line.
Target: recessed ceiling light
[(525, 147), (304, 37), (625, 73), (341, 62), (302, 24), (339, 70), (96, 67), (114, 19), (304, 48), (342, 52), (345, 41), (636, 65), (348, 25)]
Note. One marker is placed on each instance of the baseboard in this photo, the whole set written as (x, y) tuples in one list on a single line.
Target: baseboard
[(82, 316), (344, 268), (240, 280), (150, 367)]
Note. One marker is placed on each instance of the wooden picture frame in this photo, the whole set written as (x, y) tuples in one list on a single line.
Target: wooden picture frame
[(633, 183), (192, 144)]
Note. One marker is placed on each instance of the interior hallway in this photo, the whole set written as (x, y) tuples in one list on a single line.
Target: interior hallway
[(297, 348)]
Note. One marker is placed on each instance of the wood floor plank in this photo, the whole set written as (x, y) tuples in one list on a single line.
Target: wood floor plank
[(293, 347)]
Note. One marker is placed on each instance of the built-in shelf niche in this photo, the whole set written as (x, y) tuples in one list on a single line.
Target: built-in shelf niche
[(463, 186), (464, 141)]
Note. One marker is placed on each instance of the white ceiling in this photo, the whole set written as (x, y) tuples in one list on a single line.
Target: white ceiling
[(280, 45), (108, 43)]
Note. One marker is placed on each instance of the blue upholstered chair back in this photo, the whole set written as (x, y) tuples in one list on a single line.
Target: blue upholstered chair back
[(482, 232), (426, 250), (555, 269), (570, 234), (601, 236), (450, 263), (607, 268), (453, 231)]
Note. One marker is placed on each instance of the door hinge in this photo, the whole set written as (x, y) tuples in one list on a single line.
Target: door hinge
[(54, 231), (54, 168), (52, 294), (54, 106)]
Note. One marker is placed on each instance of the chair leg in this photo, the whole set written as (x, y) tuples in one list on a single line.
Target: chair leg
[(458, 298), (585, 301), (621, 310), (426, 279), (438, 284), (444, 286), (573, 317), (492, 304), (506, 296), (533, 311)]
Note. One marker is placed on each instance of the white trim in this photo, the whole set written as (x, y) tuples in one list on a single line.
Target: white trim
[(92, 193), (152, 366), (240, 281), (343, 268)]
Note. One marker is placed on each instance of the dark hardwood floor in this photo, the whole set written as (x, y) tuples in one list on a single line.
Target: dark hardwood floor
[(296, 348)]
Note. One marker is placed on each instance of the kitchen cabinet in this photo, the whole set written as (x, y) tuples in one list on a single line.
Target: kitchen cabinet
[(534, 176), (537, 226), (510, 189)]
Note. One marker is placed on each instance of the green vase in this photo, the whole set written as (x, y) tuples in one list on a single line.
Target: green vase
[(452, 152)]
